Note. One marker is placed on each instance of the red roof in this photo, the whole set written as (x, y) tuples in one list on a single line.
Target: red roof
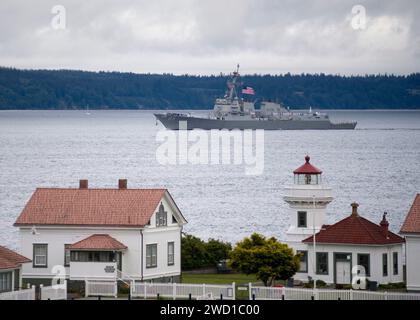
[(356, 230), (98, 242), (307, 168), (412, 221), (10, 259), (97, 207)]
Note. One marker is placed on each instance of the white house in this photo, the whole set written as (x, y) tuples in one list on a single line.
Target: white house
[(411, 231), (101, 234), (329, 252), (10, 269)]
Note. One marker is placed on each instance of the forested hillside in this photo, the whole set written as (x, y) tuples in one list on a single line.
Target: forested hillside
[(64, 89)]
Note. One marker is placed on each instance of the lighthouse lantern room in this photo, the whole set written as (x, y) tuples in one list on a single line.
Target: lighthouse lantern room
[(307, 198)]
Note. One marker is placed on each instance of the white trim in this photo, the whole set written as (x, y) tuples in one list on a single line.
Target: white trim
[(160, 275), (175, 208), (353, 244)]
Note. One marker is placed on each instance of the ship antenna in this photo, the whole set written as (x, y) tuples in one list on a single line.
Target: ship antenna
[(237, 70)]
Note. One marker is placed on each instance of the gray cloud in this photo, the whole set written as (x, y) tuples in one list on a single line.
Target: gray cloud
[(203, 37)]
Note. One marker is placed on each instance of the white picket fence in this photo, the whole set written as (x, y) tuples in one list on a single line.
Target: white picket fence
[(26, 294), (101, 288), (283, 293), (55, 292), (182, 291)]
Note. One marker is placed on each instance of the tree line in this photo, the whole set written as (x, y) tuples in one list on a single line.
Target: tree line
[(69, 89)]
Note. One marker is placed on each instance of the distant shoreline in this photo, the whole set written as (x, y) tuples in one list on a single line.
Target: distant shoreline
[(69, 90)]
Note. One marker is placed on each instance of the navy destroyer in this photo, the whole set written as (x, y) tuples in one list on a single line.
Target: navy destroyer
[(235, 111)]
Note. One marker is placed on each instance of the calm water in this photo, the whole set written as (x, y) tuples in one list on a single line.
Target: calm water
[(376, 165)]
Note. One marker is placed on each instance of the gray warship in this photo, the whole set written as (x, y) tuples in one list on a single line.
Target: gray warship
[(235, 111)]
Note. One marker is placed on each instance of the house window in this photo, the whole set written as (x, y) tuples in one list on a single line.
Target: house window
[(161, 217), (171, 253), (364, 261), (151, 256), (385, 264), (5, 281), (66, 255), (302, 219), (40, 255), (322, 262), (303, 261), (395, 262)]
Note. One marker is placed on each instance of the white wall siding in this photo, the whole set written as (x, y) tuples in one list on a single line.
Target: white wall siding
[(375, 252), (161, 237), (413, 262), (56, 238)]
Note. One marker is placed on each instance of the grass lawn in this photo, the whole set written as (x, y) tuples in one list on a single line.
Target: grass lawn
[(218, 278)]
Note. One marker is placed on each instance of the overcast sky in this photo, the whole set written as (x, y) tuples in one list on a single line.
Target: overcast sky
[(209, 37)]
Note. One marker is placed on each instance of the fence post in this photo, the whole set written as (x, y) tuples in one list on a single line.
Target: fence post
[(116, 289), (33, 291), (233, 291), (174, 291), (250, 291), (351, 294), (204, 289), (145, 290), (86, 289), (386, 295), (40, 291)]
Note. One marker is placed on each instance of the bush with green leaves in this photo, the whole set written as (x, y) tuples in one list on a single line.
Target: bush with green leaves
[(267, 258)]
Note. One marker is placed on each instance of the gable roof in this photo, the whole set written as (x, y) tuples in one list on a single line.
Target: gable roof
[(98, 242), (412, 220), (307, 168), (93, 207), (10, 259), (355, 230)]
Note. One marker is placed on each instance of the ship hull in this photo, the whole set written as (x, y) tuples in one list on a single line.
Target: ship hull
[(172, 122)]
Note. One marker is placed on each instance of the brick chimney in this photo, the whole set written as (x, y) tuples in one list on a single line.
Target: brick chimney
[(83, 184), (122, 184), (354, 206), (384, 224)]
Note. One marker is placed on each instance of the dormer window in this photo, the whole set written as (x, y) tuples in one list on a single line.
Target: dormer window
[(161, 217)]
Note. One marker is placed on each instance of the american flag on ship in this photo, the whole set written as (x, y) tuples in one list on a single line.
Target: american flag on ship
[(248, 90)]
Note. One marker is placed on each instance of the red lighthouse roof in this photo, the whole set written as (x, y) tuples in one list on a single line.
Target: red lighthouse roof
[(307, 168)]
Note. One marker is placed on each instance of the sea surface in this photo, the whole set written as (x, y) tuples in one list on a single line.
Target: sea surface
[(376, 165)]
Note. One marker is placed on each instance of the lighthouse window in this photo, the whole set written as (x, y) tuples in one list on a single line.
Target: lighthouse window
[(310, 179), (302, 215)]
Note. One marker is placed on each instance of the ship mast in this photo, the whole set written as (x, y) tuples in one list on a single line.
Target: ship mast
[(234, 84)]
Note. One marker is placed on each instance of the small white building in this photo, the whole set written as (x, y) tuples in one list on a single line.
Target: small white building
[(335, 249), (101, 234), (11, 269), (411, 231)]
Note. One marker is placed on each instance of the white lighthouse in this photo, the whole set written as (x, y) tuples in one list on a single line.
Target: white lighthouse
[(307, 198)]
